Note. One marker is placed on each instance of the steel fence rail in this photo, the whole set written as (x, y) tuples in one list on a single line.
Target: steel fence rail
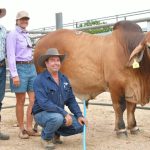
[(147, 19), (90, 103), (111, 24)]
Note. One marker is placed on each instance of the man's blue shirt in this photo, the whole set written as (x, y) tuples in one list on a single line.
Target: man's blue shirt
[(51, 97)]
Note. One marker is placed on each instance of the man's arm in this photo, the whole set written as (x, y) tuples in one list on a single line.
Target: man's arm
[(43, 101)]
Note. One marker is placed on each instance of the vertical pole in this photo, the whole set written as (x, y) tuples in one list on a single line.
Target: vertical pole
[(84, 127), (59, 21), (116, 18), (148, 25)]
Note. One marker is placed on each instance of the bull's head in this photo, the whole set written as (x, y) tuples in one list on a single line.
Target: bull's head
[(137, 53), (138, 85)]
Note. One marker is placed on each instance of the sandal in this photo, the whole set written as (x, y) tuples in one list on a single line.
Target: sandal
[(33, 133), (23, 134)]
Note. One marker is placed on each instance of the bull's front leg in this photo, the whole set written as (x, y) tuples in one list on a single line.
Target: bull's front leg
[(119, 105), (132, 126)]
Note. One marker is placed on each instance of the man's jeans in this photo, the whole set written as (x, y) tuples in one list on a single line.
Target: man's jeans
[(54, 123), (2, 83)]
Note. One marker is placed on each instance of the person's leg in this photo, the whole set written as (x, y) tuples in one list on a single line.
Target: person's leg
[(20, 92), (75, 128), (30, 130), (50, 123), (29, 111), (2, 93), (2, 84), (32, 75), (20, 100)]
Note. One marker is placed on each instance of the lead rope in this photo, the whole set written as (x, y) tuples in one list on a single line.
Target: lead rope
[(84, 126)]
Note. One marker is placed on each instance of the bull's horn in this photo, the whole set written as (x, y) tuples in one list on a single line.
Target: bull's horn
[(136, 51)]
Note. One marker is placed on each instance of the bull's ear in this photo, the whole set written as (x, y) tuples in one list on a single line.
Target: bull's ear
[(137, 54)]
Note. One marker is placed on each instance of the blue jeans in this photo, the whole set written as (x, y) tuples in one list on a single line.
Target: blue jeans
[(27, 74), (54, 123), (2, 83)]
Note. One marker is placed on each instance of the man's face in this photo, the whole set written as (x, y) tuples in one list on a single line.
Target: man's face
[(53, 64)]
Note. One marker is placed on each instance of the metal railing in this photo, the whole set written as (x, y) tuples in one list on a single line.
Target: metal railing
[(113, 18), (90, 103), (141, 20), (109, 20)]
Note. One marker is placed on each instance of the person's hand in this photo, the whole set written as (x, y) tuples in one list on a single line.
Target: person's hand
[(68, 120), (83, 121), (16, 81)]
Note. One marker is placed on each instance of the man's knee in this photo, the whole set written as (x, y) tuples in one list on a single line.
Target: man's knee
[(59, 119), (56, 120)]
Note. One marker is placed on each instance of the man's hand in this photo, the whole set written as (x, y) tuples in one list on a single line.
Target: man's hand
[(83, 121), (68, 120), (16, 81)]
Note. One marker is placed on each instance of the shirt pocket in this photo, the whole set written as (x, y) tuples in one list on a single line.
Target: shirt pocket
[(52, 94), (66, 92)]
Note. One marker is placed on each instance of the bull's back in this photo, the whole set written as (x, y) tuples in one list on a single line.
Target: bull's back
[(83, 64)]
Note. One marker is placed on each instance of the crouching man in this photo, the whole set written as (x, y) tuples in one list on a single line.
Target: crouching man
[(52, 92)]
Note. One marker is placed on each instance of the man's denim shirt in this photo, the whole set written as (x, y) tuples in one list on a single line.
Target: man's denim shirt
[(51, 97)]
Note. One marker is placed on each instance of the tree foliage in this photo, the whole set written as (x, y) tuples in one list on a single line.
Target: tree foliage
[(95, 23)]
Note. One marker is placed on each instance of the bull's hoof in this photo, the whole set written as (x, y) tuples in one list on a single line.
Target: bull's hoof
[(122, 134), (134, 130)]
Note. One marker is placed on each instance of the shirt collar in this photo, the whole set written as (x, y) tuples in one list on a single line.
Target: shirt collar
[(21, 30), (48, 75)]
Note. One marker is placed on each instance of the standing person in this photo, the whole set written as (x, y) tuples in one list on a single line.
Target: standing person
[(22, 70), (52, 92), (2, 67)]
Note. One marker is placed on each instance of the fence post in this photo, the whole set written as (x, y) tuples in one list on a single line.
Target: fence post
[(148, 25), (59, 21)]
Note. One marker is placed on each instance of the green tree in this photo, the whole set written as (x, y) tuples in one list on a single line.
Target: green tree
[(95, 23)]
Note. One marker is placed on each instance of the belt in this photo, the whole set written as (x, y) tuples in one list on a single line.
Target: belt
[(24, 62), (2, 63)]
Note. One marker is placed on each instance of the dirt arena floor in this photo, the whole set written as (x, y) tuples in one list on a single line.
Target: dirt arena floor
[(100, 132)]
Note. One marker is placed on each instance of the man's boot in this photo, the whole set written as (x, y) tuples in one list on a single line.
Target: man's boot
[(56, 139), (2, 135), (48, 144)]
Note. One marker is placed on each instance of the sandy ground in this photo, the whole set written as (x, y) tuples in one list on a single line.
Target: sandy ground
[(100, 132)]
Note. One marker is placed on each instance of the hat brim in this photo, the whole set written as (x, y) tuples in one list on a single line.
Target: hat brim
[(43, 58), (3, 12), (22, 18)]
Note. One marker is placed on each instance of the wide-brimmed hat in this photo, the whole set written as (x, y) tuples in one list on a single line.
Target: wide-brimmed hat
[(50, 52), (2, 12), (22, 14)]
